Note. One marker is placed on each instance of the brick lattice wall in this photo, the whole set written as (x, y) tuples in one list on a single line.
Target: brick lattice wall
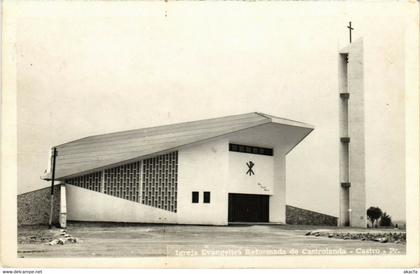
[(34, 207), (300, 216), (157, 187), (160, 181), (90, 181), (124, 181)]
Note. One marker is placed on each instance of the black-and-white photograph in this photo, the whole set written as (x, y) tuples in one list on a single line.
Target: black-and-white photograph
[(202, 130)]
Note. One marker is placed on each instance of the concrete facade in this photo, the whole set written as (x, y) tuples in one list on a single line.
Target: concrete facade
[(93, 206), (352, 136), (204, 167)]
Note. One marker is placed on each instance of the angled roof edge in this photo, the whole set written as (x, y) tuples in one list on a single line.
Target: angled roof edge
[(154, 127), (284, 121), (311, 129), (266, 119), (272, 118), (47, 176)]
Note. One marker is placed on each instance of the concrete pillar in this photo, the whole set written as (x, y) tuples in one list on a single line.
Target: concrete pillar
[(357, 135), (352, 150), (277, 204), (344, 219), (103, 181), (342, 73), (63, 206)]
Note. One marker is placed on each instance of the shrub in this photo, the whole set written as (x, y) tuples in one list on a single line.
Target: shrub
[(385, 220)]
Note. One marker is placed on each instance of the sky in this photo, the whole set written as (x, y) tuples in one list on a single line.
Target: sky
[(87, 68)]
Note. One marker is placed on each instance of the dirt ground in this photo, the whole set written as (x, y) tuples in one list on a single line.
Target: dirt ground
[(123, 240)]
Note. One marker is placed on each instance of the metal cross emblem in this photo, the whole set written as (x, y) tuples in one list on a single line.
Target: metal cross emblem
[(250, 165), (350, 29)]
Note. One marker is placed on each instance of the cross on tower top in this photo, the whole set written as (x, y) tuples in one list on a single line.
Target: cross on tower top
[(350, 29)]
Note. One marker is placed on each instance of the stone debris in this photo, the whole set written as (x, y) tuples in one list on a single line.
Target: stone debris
[(63, 240), (53, 242), (381, 237), (73, 240), (381, 240)]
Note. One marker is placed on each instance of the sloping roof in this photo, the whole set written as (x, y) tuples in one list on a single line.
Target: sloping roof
[(94, 152)]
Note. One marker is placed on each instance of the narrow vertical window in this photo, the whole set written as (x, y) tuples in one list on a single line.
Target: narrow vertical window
[(195, 197), (206, 198)]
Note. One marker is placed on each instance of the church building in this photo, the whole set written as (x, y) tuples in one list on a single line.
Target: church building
[(216, 171)]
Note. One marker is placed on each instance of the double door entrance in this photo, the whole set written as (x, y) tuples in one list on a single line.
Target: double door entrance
[(248, 208)]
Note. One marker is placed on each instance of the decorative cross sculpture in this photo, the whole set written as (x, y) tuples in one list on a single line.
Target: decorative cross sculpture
[(350, 29), (250, 165)]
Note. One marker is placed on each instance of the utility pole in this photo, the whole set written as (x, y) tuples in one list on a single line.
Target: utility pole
[(52, 187)]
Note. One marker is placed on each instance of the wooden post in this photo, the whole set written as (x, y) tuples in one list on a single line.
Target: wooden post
[(52, 188)]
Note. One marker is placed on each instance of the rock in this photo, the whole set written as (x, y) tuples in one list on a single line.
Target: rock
[(53, 242), (308, 233), (61, 241), (72, 240), (381, 240)]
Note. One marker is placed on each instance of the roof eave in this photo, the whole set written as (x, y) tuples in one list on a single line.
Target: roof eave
[(299, 141), (46, 176)]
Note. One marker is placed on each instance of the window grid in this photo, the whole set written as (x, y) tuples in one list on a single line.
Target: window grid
[(90, 181), (157, 187), (251, 149), (123, 181), (160, 181)]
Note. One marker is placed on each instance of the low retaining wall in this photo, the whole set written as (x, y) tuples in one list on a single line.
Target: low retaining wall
[(300, 216), (34, 207)]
